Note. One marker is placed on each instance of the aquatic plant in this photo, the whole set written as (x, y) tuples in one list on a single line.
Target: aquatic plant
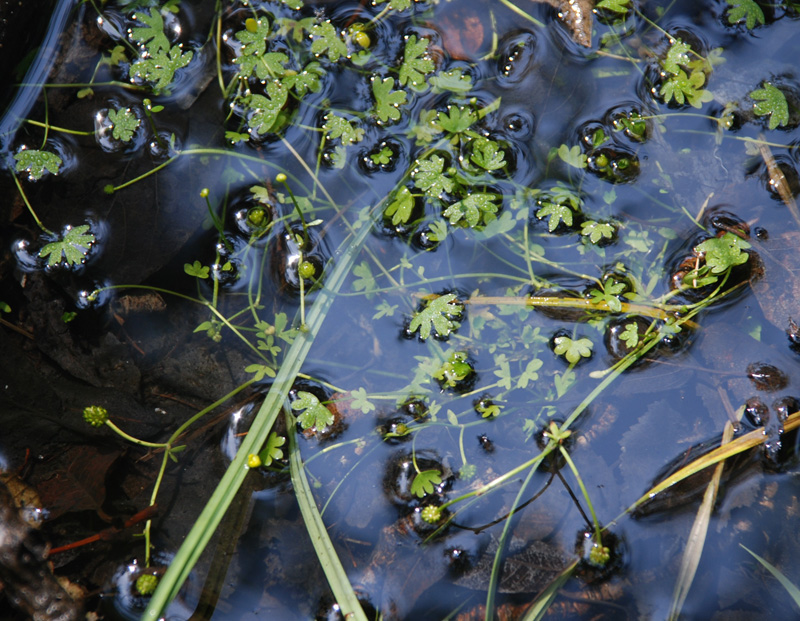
[(457, 165)]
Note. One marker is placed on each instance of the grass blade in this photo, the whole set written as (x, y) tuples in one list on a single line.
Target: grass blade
[(739, 445), (539, 608), (787, 584), (203, 529), (331, 565), (697, 535)]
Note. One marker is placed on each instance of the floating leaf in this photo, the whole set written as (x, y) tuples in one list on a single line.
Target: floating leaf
[(452, 80), (630, 336), (272, 451), (313, 414), (617, 6), (265, 110), (439, 313), (573, 350), (476, 207), (677, 56), (387, 101), (401, 207), (360, 401), (488, 155), (396, 5), (683, 88), (746, 10), (151, 35), (74, 246), (196, 269), (457, 119), (339, 127), (572, 156), (556, 213), (424, 483), (324, 39), (596, 231), (429, 176), (416, 65), (124, 123), (723, 253), (260, 371), (36, 163), (771, 101), (305, 81), (160, 68)]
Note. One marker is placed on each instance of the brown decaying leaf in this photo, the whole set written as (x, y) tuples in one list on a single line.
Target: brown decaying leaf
[(76, 480), (577, 15), (777, 289)]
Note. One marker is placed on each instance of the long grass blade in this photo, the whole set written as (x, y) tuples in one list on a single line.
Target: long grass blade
[(739, 445), (785, 582), (203, 529), (546, 598), (697, 535), (326, 553)]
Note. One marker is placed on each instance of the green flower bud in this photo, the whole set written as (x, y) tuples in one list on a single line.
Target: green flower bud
[(146, 584), (432, 514), (95, 415)]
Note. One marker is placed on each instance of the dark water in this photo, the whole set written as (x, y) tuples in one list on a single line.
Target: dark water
[(674, 177)]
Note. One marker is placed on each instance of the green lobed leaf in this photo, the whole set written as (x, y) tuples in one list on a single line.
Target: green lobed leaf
[(472, 210), (324, 39), (572, 156), (272, 449), (456, 119), (617, 6), (771, 101), (151, 35), (596, 231), (36, 163), (265, 110), (572, 349), (439, 313), (313, 413), (308, 80), (124, 123), (677, 56), (555, 213), (336, 126), (360, 401), (416, 64), (488, 155), (401, 207), (530, 374), (196, 269), (387, 101), (723, 253), (424, 483), (746, 10), (159, 68), (74, 246), (452, 80), (429, 176)]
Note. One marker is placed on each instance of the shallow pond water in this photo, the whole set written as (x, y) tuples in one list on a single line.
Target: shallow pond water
[(482, 273)]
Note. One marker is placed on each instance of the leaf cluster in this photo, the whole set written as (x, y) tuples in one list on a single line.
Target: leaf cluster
[(158, 61), (680, 86)]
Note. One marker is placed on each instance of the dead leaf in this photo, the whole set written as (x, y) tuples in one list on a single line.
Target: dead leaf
[(778, 288), (76, 480)]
